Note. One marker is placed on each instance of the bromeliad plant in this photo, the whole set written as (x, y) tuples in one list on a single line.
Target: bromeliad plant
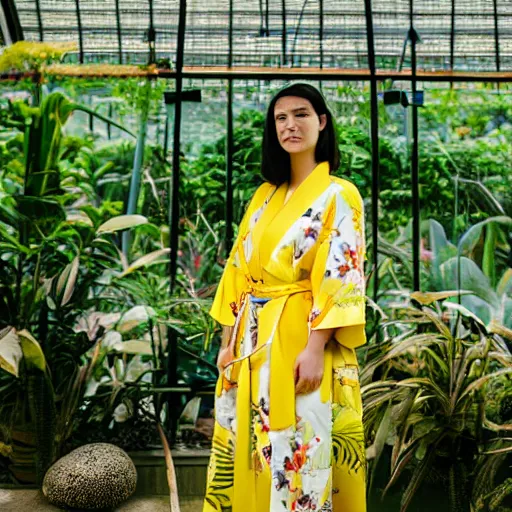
[(431, 400)]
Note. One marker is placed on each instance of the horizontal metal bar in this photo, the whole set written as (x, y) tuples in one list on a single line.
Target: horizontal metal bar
[(183, 389), (273, 73), (337, 74), (272, 12)]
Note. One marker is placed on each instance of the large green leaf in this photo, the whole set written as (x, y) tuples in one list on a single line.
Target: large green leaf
[(134, 317), (145, 260), (479, 307), (8, 214), (472, 279), (70, 281), (10, 351), (507, 311), (134, 347), (472, 235), (489, 261), (505, 284), (426, 298), (442, 250), (121, 222), (32, 352)]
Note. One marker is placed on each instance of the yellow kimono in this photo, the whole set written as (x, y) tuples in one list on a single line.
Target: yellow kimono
[(295, 267)]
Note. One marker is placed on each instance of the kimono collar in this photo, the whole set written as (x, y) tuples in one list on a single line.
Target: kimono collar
[(278, 216)]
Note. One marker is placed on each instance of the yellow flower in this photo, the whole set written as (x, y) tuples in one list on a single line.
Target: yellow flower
[(462, 131)]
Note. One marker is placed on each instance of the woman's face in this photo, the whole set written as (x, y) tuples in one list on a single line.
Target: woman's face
[(297, 124)]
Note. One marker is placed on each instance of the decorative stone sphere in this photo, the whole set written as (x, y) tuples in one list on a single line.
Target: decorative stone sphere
[(92, 477)]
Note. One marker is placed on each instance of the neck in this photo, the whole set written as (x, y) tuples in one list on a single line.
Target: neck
[(301, 166)]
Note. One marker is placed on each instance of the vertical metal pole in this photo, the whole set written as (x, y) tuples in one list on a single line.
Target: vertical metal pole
[(321, 32), (119, 35), (174, 195), (14, 30), (229, 142), (39, 21), (452, 37), (109, 126), (80, 33), (414, 159), (172, 350), (166, 136), (262, 31), (151, 35), (496, 35), (267, 24), (374, 129), (283, 15), (452, 40)]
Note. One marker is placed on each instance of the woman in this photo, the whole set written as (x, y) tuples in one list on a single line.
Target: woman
[(288, 432)]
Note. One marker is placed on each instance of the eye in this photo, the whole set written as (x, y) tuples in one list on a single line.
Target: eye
[(302, 114)]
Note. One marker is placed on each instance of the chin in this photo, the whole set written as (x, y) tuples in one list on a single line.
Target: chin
[(293, 148)]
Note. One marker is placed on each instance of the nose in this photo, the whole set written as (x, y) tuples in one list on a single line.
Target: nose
[(290, 123)]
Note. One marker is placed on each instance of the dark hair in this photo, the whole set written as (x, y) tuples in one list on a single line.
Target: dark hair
[(275, 161)]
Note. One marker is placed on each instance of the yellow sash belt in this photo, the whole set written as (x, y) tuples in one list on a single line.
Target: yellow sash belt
[(281, 387)]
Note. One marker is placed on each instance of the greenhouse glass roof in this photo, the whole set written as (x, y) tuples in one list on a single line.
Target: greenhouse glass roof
[(455, 34)]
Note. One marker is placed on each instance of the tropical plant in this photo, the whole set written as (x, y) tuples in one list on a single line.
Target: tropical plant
[(32, 55), (478, 263), (473, 265), (429, 401), (49, 263)]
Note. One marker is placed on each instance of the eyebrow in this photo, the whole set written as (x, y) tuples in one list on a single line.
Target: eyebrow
[(294, 110)]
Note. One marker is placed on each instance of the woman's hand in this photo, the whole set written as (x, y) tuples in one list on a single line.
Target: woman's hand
[(224, 358), (309, 365), (226, 351), (309, 370)]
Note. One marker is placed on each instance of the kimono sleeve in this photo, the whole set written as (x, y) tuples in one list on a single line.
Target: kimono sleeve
[(337, 276), (233, 281)]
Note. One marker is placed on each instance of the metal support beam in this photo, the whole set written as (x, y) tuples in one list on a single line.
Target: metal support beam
[(229, 143), (151, 35), (267, 18), (280, 73), (10, 23), (496, 35), (80, 32), (119, 34), (172, 351), (230, 35), (374, 130), (284, 36), (414, 158), (321, 31), (452, 37), (39, 21), (174, 195), (229, 170)]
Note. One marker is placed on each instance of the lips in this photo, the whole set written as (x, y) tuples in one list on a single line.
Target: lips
[(292, 139)]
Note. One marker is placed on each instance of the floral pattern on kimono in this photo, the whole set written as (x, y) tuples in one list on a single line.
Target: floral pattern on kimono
[(295, 267)]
